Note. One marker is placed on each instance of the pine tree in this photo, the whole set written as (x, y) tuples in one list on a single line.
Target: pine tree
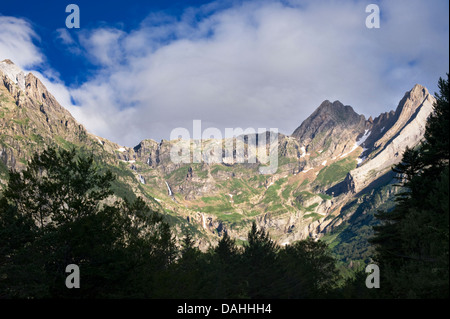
[(436, 146), (309, 270), (226, 258), (260, 264)]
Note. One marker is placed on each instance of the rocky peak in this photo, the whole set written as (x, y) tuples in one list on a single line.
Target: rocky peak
[(29, 84), (332, 129), (327, 116), (410, 102), (406, 110), (13, 72), (31, 116), (407, 127), (336, 111)]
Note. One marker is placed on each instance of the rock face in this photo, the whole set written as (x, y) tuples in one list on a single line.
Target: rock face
[(13, 72), (148, 149), (29, 110), (331, 128), (328, 116), (407, 131), (32, 119)]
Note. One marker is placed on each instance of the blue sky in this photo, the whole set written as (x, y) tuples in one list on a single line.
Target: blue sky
[(139, 69), (47, 19)]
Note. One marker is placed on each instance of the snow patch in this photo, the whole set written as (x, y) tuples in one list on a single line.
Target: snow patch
[(14, 73), (303, 151), (363, 138), (121, 150), (358, 143), (324, 163)]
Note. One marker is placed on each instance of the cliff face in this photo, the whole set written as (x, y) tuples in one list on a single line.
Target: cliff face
[(30, 117), (332, 129), (324, 165), (407, 131), (329, 117)]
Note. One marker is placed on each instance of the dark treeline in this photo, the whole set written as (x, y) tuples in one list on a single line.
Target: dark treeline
[(58, 212)]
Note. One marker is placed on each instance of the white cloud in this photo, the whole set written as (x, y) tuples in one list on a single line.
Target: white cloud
[(103, 45), (64, 36), (16, 42)]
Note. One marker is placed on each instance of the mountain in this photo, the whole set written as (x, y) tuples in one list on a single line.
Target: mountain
[(32, 119), (330, 128), (333, 170), (407, 130), (24, 114)]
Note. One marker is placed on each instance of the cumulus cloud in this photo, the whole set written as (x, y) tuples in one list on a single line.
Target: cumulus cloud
[(16, 42), (64, 36), (103, 45), (260, 64)]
